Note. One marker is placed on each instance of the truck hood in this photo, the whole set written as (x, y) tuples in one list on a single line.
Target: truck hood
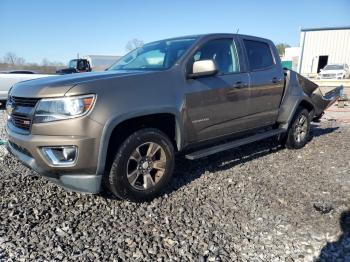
[(57, 86)]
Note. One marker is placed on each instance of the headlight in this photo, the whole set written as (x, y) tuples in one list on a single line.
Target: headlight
[(62, 108)]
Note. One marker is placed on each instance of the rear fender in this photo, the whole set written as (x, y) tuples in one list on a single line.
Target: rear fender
[(294, 95)]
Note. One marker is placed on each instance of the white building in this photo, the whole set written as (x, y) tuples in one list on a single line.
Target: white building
[(322, 46)]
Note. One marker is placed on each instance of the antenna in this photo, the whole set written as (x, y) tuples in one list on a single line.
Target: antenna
[(237, 31)]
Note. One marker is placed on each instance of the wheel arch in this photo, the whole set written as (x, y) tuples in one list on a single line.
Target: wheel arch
[(307, 105), (304, 102), (289, 109), (169, 124)]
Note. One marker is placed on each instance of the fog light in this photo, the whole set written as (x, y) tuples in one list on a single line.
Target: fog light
[(61, 156)]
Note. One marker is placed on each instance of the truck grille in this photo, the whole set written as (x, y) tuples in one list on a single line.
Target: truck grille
[(329, 75), (23, 111), (23, 101), (21, 122)]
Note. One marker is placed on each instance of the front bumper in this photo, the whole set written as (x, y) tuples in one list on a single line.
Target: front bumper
[(81, 177), (331, 76)]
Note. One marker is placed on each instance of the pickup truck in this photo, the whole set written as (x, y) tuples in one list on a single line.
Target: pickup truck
[(89, 63), (190, 96)]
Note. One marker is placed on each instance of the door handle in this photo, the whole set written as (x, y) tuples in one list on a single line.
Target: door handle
[(240, 84)]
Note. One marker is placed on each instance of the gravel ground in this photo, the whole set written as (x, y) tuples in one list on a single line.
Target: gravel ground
[(256, 203)]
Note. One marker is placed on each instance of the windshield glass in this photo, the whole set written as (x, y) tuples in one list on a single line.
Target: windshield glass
[(73, 64), (334, 67), (159, 55)]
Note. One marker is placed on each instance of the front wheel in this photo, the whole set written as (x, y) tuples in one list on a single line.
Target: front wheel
[(299, 129), (142, 166)]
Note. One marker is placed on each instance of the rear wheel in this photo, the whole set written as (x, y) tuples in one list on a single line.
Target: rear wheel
[(299, 129), (142, 166)]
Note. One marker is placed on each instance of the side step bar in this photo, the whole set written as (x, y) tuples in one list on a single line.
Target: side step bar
[(216, 149)]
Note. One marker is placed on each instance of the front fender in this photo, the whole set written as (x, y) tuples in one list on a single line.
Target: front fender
[(113, 122)]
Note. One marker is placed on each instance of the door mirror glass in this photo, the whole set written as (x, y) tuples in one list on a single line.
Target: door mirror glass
[(203, 68)]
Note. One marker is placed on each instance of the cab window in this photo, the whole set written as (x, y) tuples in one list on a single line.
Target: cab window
[(259, 54), (223, 52)]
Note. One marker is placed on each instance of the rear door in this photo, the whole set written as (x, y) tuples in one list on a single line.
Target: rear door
[(216, 104), (266, 81)]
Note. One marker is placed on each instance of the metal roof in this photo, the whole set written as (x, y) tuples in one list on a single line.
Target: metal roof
[(325, 28)]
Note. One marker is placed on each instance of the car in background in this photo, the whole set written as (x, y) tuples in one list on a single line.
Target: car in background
[(334, 71), (9, 78), (17, 72)]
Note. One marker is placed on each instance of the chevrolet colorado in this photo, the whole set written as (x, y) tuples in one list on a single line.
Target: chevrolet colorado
[(194, 96)]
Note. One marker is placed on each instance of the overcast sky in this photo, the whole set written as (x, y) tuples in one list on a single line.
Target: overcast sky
[(58, 30)]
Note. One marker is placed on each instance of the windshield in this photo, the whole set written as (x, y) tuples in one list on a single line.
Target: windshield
[(73, 64), (334, 67), (159, 55)]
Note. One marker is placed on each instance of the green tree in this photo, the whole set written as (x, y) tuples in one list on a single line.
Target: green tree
[(281, 48)]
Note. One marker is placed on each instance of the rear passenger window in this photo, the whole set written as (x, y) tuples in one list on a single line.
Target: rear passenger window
[(259, 54)]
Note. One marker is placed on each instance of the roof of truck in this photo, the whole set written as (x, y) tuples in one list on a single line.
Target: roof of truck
[(215, 35)]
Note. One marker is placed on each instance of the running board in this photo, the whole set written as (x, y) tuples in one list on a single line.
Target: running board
[(216, 149)]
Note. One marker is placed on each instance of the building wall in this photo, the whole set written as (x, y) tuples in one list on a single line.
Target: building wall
[(334, 43)]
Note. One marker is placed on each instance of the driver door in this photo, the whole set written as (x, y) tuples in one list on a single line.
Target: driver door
[(217, 104)]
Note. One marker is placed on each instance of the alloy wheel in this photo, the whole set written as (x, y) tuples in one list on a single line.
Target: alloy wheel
[(301, 128), (146, 166)]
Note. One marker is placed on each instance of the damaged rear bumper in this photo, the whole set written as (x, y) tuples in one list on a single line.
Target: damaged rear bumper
[(322, 102)]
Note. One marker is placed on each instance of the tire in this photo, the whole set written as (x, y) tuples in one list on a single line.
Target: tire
[(299, 130), (143, 165)]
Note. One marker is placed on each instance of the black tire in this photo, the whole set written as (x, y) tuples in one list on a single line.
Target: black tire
[(119, 177), (297, 136)]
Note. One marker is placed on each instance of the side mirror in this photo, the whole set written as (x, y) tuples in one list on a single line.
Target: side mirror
[(202, 68)]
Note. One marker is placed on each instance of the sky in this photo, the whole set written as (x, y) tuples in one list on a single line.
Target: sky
[(59, 30)]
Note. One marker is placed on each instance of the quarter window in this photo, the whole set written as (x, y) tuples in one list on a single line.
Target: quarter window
[(223, 52), (259, 54)]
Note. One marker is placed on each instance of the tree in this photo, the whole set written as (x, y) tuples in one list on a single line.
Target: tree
[(12, 59), (281, 48), (45, 62), (133, 44), (20, 61)]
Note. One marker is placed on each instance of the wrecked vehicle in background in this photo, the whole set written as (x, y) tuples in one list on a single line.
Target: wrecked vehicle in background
[(192, 96)]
